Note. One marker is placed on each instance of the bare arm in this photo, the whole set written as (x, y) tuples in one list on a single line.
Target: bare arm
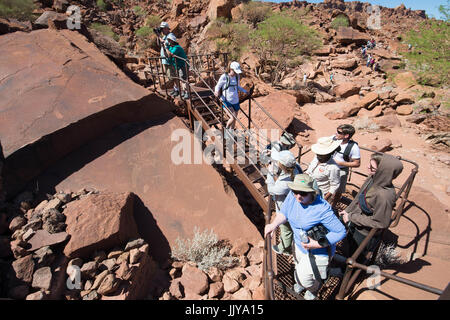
[(353, 163), (269, 228)]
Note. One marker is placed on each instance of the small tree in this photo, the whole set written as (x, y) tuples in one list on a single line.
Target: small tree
[(445, 11), (229, 37), (255, 12), (279, 39), (105, 30), (152, 21), (340, 21), (430, 54)]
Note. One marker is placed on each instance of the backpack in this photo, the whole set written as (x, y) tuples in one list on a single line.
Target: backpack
[(227, 84), (347, 150)]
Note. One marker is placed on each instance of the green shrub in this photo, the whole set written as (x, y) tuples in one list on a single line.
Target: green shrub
[(105, 30), (279, 39), (139, 11), (152, 21), (205, 250), (445, 11), (101, 5), (430, 54), (255, 12), (229, 37), (340, 21), (17, 9), (143, 32)]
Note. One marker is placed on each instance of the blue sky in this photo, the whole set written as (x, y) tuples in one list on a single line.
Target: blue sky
[(430, 6)]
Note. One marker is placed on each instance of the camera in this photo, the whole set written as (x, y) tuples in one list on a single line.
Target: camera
[(318, 233), (157, 30)]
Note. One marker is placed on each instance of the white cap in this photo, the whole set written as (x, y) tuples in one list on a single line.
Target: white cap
[(285, 157), (172, 37), (164, 25), (236, 67)]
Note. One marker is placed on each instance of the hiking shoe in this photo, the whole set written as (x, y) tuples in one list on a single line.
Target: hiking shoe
[(279, 251), (309, 295), (174, 93), (298, 288)]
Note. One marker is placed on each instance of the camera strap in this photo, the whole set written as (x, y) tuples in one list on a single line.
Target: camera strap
[(315, 269)]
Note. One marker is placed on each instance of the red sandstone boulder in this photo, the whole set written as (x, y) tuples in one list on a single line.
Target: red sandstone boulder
[(23, 268), (368, 99), (194, 280), (99, 221), (347, 35), (220, 9), (347, 89), (57, 81), (347, 64), (280, 105)]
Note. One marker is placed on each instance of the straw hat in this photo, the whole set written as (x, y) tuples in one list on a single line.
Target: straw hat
[(302, 182), (325, 145)]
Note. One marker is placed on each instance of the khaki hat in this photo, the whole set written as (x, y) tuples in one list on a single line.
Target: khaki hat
[(302, 182), (325, 145)]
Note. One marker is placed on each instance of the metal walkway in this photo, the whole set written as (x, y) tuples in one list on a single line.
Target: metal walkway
[(203, 107)]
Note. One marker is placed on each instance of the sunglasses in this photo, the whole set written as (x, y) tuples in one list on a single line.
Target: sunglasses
[(302, 193), (340, 132)]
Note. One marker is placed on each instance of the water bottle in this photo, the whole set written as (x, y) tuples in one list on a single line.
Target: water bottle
[(303, 236)]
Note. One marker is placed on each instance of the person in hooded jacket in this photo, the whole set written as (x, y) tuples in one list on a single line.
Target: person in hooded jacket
[(373, 205)]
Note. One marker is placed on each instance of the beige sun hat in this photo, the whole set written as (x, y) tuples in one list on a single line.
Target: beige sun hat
[(325, 145), (302, 182)]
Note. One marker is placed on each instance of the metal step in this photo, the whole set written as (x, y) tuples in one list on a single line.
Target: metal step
[(212, 122)]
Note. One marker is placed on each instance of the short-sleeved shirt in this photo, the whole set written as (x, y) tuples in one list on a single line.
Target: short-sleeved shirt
[(304, 217), (178, 51), (355, 153), (232, 93)]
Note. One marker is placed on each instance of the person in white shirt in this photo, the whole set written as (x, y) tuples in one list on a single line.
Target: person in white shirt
[(349, 156), (229, 85), (323, 169)]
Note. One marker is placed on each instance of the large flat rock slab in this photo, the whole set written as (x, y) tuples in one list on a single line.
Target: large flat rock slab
[(49, 79), (173, 199), (58, 92)]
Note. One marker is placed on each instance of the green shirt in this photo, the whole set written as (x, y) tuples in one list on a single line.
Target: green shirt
[(178, 51)]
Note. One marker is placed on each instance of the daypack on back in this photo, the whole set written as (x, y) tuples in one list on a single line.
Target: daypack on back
[(227, 84), (347, 150)]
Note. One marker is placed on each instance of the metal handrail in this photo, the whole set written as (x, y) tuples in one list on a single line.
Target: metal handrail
[(212, 91)]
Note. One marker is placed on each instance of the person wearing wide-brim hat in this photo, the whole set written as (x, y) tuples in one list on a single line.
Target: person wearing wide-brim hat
[(304, 208), (323, 168)]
